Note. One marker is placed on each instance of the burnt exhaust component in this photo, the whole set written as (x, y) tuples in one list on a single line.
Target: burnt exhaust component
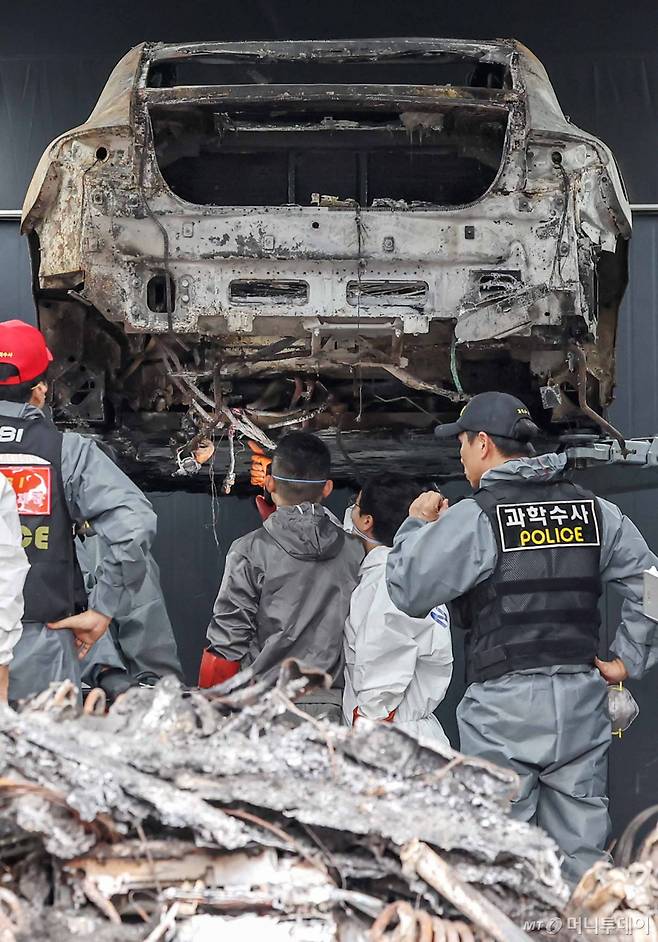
[(581, 365)]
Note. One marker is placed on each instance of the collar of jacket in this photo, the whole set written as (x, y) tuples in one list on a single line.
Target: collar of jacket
[(376, 557), (535, 470), (20, 410)]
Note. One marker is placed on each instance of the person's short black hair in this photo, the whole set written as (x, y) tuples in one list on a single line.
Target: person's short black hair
[(17, 392), (520, 447), (304, 457), (387, 497)]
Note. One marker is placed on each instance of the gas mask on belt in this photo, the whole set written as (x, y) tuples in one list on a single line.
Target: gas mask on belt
[(622, 708)]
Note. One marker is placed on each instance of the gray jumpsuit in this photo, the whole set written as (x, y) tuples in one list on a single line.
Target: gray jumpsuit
[(549, 724), (95, 490)]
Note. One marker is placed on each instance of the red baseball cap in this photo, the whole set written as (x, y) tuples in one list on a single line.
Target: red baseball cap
[(23, 347)]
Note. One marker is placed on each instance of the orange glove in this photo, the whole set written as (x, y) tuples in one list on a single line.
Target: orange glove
[(260, 464), (204, 451)]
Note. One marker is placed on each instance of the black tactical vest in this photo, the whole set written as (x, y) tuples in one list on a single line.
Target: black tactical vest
[(540, 605), (31, 459)]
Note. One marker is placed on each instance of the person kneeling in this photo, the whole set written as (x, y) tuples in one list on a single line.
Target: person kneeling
[(397, 668)]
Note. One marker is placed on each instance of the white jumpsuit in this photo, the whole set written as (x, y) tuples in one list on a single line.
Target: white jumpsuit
[(393, 661), (13, 570)]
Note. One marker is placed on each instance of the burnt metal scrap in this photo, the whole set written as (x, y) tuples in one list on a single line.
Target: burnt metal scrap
[(354, 235), (621, 899), (183, 812)]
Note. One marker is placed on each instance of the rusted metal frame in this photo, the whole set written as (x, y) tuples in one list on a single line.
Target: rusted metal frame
[(329, 50), (400, 922), (260, 822), (293, 899), (639, 209), (414, 383), (324, 334), (12, 916), (246, 126), (283, 422), (189, 388), (166, 924), (102, 903), (315, 363), (144, 155), (516, 133), (626, 851), (95, 702), (411, 925), (273, 349), (240, 421), (581, 385), (424, 97), (419, 858)]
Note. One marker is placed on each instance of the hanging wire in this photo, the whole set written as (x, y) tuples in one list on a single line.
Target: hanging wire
[(214, 501), (405, 399), (359, 269), (229, 477), (454, 368)]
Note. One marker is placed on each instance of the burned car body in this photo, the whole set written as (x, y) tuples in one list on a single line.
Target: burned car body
[(340, 235)]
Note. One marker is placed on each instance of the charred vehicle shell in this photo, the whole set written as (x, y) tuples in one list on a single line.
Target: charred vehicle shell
[(340, 235)]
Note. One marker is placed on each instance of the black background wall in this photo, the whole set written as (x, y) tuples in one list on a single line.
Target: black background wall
[(601, 57)]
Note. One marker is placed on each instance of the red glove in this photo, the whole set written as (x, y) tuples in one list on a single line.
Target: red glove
[(215, 669), (265, 507), (385, 719)]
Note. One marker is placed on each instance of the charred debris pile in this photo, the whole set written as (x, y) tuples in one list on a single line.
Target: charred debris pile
[(230, 813)]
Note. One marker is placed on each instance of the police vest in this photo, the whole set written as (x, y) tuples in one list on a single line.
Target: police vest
[(31, 460), (540, 605)]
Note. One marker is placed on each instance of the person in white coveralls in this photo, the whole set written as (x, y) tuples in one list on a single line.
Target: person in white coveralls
[(397, 668)]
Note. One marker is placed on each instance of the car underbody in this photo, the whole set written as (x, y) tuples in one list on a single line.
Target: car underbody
[(351, 238)]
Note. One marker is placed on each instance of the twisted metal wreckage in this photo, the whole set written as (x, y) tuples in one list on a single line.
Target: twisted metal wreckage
[(186, 815), (350, 236)]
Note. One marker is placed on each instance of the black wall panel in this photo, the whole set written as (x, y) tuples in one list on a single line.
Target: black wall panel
[(15, 277), (55, 58)]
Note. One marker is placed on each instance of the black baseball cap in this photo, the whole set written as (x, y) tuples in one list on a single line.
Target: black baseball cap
[(496, 413)]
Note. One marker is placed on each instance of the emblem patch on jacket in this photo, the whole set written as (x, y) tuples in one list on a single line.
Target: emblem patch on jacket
[(440, 616), (32, 486), (551, 523)]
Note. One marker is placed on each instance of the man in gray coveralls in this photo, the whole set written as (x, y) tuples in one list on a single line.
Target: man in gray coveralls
[(60, 480), (524, 559)]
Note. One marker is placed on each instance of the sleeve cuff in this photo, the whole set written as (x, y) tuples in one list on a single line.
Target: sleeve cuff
[(104, 599), (9, 640)]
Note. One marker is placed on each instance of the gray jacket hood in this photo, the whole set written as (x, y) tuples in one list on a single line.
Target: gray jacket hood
[(306, 531), (536, 470), (20, 410)]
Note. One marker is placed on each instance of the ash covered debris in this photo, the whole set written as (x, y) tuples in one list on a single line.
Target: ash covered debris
[(184, 814)]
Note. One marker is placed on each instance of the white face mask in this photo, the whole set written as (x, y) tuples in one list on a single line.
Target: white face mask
[(349, 526)]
